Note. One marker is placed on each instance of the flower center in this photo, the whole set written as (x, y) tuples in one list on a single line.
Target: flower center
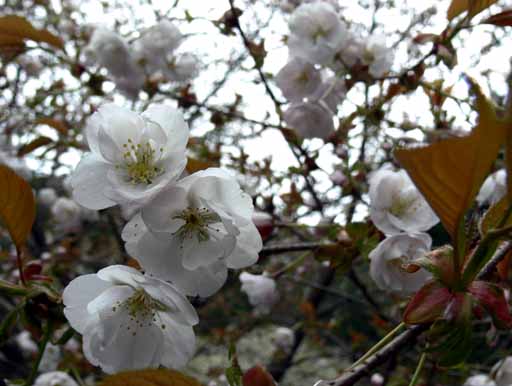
[(400, 206), (320, 32), (140, 162), (197, 223), (142, 309)]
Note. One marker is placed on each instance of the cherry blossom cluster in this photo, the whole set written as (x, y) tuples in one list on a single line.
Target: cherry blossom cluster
[(152, 55), (185, 232), (399, 210), (322, 48)]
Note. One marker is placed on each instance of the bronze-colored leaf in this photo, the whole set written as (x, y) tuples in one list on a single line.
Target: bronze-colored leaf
[(33, 145), (17, 205), (449, 173), (474, 7), (15, 29), (150, 377), (195, 165), (501, 19)]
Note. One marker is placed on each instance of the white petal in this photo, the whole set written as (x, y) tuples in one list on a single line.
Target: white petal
[(89, 181), (172, 122), (120, 274), (159, 214), (110, 298), (77, 294), (248, 246), (179, 343)]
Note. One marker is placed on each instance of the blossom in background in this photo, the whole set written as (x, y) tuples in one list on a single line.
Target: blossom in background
[(396, 205), (156, 45), (390, 260), (377, 56), (66, 214), (182, 68), (261, 291), (503, 372), (109, 50), (330, 93), (493, 189), (479, 380), (55, 378), (196, 228), (316, 32), (132, 156), (310, 120), (298, 79), (284, 338), (47, 196), (130, 321)]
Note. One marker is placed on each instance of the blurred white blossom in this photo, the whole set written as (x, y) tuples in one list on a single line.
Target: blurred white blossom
[(298, 79), (130, 321), (66, 214), (389, 261), (479, 380), (316, 32), (493, 189), (132, 156), (310, 120), (261, 290), (503, 372), (47, 196), (55, 378), (284, 338), (396, 205)]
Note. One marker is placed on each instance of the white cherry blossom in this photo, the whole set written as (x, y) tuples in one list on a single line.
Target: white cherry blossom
[(66, 214), (107, 49), (284, 338), (389, 260), (479, 380), (130, 321), (310, 120), (154, 49), (316, 32), (261, 291), (55, 378), (47, 196), (493, 189), (132, 156), (298, 79), (503, 372), (194, 230), (396, 205)]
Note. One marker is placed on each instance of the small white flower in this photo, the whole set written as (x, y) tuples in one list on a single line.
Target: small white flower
[(377, 56), (132, 156), (310, 120), (26, 343), (261, 291), (284, 338), (388, 262), (66, 214), (316, 32), (107, 49), (493, 189), (32, 65), (298, 79), (396, 205), (196, 229), (55, 378), (51, 358), (156, 46), (479, 380), (47, 196), (330, 93), (182, 68), (503, 372), (130, 321), (377, 379)]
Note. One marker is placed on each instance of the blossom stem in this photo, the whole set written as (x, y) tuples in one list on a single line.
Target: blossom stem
[(381, 343), (47, 332), (416, 375)]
